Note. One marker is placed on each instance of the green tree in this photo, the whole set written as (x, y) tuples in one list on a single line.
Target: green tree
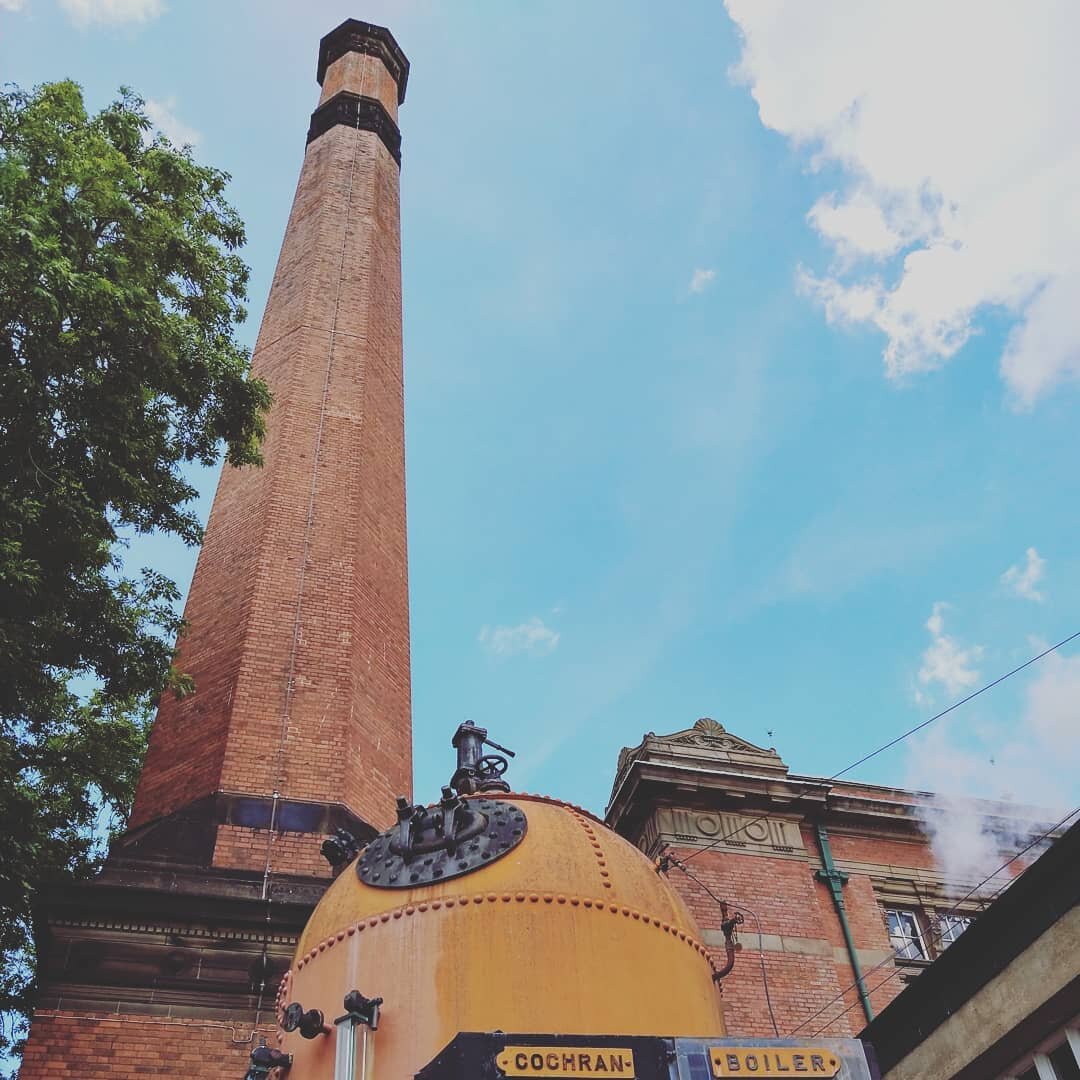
[(120, 292)]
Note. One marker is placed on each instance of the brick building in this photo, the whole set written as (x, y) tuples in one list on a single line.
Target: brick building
[(168, 963), (840, 877)]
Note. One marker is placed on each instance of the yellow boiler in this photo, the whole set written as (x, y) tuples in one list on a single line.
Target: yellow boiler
[(532, 917)]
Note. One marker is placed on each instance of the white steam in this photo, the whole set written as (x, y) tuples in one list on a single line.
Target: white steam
[(1031, 765)]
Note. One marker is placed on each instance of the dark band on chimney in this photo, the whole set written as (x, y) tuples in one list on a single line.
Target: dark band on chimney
[(362, 113)]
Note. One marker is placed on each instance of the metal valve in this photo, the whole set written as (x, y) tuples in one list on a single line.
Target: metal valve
[(340, 848), (263, 1059), (310, 1024), (363, 1010), (477, 771)]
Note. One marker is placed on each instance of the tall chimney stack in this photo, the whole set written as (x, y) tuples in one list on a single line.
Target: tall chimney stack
[(299, 610)]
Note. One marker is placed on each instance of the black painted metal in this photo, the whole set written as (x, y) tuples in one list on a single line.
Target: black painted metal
[(341, 848), (471, 1055), (362, 37), (477, 771), (441, 842), (363, 1010), (362, 113), (264, 1059), (311, 1024)]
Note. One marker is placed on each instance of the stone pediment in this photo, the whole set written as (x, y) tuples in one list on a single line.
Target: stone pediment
[(706, 745), (707, 732)]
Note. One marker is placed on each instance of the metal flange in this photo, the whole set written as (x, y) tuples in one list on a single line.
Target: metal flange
[(385, 866)]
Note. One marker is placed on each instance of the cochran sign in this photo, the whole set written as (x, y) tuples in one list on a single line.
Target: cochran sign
[(566, 1061), (773, 1061)]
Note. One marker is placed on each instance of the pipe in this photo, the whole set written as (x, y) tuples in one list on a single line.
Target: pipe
[(836, 880), (728, 927)]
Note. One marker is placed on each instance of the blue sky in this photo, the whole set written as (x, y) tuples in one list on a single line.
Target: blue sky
[(731, 391)]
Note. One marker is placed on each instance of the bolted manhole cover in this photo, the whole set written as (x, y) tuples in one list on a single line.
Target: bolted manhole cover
[(484, 830)]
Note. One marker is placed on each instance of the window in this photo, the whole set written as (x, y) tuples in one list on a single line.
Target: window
[(905, 935), (950, 927), (1064, 1063), (1060, 1063)]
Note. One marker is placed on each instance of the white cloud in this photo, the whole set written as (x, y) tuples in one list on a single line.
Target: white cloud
[(84, 12), (531, 636), (166, 121), (11, 5), (1023, 580), (701, 279), (954, 126), (945, 661)]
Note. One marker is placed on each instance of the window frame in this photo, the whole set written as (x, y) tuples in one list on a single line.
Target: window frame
[(902, 954), (946, 923)]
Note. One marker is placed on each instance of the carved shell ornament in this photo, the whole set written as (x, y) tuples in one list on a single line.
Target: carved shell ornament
[(708, 726), (707, 732)]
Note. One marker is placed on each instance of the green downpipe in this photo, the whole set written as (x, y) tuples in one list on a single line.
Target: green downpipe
[(836, 880)]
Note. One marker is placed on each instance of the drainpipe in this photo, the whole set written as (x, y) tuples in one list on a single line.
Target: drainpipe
[(836, 881)]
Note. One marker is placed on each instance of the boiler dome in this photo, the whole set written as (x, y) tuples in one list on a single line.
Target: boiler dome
[(565, 928)]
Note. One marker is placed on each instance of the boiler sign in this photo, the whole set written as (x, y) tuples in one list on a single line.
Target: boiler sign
[(566, 1061), (773, 1061)]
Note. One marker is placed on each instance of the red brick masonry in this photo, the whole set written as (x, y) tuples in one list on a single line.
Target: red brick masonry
[(299, 640)]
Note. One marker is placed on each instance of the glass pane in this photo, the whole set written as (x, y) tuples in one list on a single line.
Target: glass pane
[(952, 926), (1064, 1063), (904, 934)]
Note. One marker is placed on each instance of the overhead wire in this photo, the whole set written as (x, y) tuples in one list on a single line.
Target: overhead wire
[(889, 959), (681, 863), (936, 935), (892, 742)]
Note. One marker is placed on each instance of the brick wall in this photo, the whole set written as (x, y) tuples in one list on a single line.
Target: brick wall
[(801, 944), (800, 967), (238, 848), (749, 830), (122, 1046)]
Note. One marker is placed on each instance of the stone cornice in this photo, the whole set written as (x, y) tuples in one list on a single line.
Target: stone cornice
[(705, 745), (186, 944), (646, 781), (356, 36), (130, 898), (362, 113)]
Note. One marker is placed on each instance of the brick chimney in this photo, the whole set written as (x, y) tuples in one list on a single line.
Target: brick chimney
[(298, 611), (298, 645)]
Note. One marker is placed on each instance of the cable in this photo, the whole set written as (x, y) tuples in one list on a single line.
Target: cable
[(761, 948), (844, 1012), (952, 911), (893, 742), (936, 936), (175, 1023)]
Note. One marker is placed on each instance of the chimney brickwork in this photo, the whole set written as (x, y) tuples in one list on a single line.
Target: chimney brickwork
[(298, 611)]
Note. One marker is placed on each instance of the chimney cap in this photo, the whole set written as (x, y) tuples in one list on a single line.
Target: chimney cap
[(356, 36)]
